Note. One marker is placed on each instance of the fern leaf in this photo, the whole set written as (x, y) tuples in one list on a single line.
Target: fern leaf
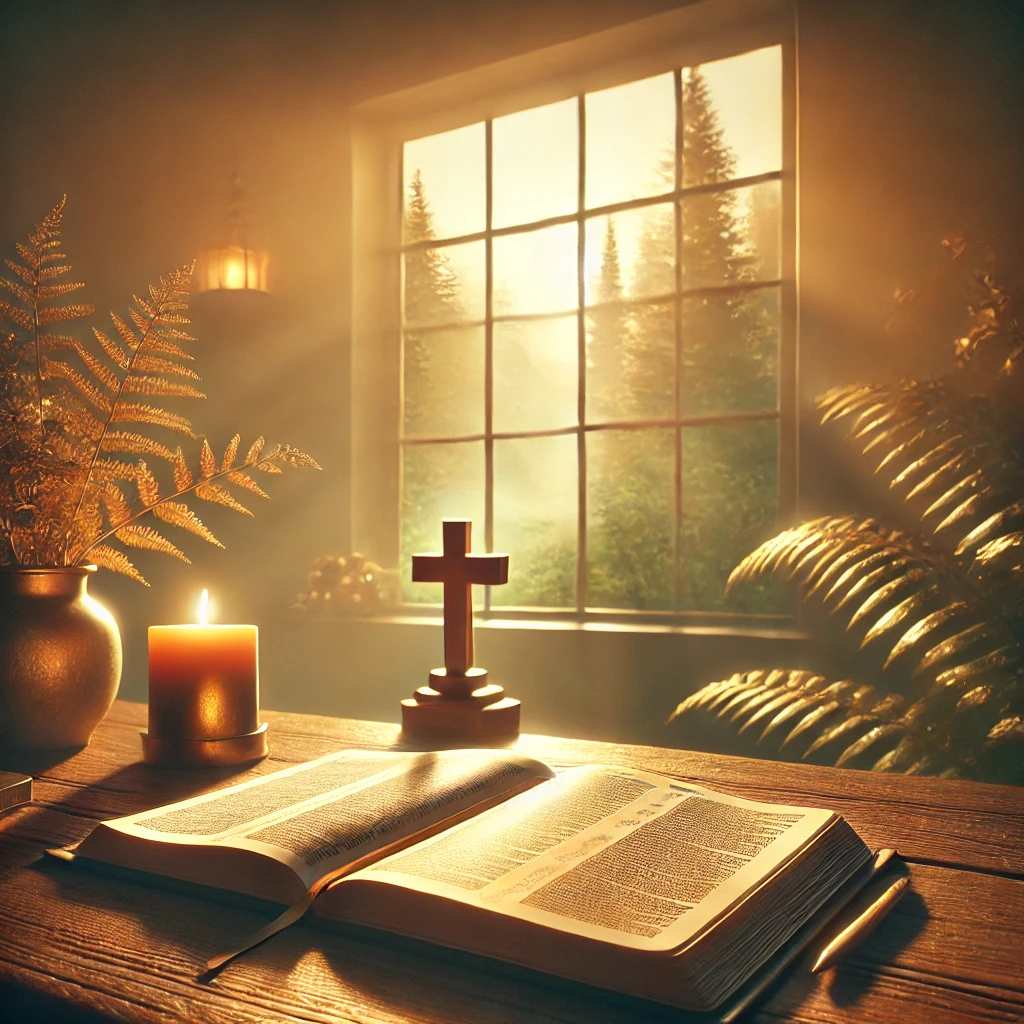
[(1003, 657), (986, 530), (127, 335), (113, 351), (134, 444), (19, 290), (1008, 548), (117, 508), (25, 273), (230, 453), (167, 348), (921, 463), (955, 645), (146, 537), (866, 583), (880, 596), (293, 457), (49, 273), (924, 628), (160, 387), (56, 291), (900, 450), (894, 616), (265, 467), (207, 460), (884, 731), (220, 496), (149, 490), (18, 316), (58, 314), (819, 714), (112, 470), (102, 372), (182, 474), (239, 478), (254, 452), (178, 514), (134, 412), (967, 509), (55, 368), (117, 561), (155, 364)]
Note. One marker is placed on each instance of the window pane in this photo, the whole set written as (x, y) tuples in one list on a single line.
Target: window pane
[(730, 505), (631, 133), (444, 284), (535, 515), (631, 362), (536, 164), (445, 188), (732, 117), (438, 481), (631, 254), (535, 272), (444, 382), (536, 370), (630, 482), (731, 236), (731, 352)]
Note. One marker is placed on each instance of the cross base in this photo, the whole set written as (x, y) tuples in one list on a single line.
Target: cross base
[(461, 708)]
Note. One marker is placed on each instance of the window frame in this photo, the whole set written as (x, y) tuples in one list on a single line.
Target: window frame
[(698, 33)]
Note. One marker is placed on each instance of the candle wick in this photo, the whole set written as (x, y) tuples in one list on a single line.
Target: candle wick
[(204, 604)]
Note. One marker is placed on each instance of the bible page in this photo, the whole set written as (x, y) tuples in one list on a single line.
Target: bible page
[(320, 816), (617, 855)]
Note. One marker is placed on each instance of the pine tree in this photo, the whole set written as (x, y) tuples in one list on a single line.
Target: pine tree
[(728, 364), (431, 297), (609, 336)]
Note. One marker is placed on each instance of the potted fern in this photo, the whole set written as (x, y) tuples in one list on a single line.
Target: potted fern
[(76, 484), (939, 610)]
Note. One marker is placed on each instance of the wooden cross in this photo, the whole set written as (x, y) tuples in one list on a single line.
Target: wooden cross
[(458, 570)]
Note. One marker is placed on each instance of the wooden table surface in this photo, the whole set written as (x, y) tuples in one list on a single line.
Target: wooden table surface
[(78, 945)]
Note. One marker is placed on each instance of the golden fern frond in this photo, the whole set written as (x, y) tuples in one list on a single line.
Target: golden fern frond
[(107, 378), (56, 291), (230, 452), (135, 412), (156, 364), (146, 537), (59, 314), (182, 474), (178, 514), (107, 557), (239, 478), (159, 387), (115, 504), (293, 457), (220, 496), (207, 460), (254, 452), (112, 470), (53, 368), (885, 582), (130, 443), (842, 721), (149, 489), (113, 351)]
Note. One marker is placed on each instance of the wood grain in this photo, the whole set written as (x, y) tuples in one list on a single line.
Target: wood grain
[(121, 948)]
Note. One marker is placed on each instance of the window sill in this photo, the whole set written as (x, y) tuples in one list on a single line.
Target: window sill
[(744, 628)]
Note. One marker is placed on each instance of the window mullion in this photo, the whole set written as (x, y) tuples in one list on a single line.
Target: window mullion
[(677, 316), (488, 349), (581, 391)]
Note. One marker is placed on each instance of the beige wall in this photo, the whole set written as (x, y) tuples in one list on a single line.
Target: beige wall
[(910, 129)]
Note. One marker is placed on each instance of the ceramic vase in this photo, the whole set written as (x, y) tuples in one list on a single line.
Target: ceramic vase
[(60, 659)]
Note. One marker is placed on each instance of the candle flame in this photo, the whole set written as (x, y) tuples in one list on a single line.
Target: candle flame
[(204, 607)]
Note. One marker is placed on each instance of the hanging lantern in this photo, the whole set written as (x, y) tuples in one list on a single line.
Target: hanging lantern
[(234, 266)]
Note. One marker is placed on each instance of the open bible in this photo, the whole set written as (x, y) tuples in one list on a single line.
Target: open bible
[(610, 876)]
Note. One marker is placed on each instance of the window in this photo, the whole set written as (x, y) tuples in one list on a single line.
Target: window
[(591, 305)]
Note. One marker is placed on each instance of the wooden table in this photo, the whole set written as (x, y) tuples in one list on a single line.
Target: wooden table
[(79, 946)]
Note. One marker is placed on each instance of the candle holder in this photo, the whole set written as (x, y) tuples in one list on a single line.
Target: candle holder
[(212, 753), (203, 696)]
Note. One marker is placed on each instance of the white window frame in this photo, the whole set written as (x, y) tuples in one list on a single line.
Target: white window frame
[(695, 34)]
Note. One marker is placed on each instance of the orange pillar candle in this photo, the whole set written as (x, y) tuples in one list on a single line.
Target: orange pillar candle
[(203, 680)]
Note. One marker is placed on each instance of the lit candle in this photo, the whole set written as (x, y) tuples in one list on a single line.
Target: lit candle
[(203, 680)]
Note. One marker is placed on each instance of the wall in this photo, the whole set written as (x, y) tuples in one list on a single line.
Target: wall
[(910, 129)]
